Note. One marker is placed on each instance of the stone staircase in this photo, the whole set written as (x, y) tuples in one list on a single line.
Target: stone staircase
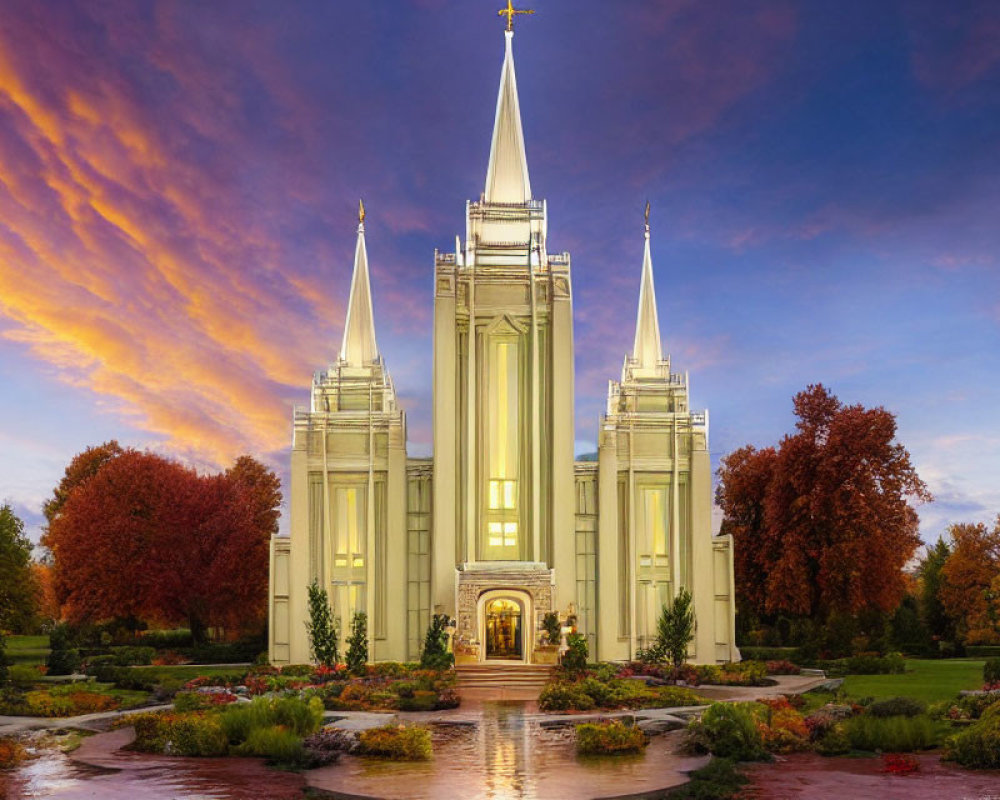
[(502, 681)]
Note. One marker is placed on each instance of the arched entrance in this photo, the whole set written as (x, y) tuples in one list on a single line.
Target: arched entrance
[(505, 626)]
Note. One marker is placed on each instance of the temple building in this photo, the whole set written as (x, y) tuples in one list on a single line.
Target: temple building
[(502, 525)]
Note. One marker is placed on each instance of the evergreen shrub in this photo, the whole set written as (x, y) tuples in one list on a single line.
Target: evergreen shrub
[(896, 707), (729, 730)]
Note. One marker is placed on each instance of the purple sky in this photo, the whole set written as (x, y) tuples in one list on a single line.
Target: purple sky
[(179, 184)]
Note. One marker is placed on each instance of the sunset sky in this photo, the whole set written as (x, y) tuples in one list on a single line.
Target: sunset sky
[(179, 184)]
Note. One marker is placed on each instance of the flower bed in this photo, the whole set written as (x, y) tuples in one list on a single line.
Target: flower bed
[(567, 693)]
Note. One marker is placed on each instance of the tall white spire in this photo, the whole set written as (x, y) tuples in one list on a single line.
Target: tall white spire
[(646, 349), (359, 346), (507, 176)]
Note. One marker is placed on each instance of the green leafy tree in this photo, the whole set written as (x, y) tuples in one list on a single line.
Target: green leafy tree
[(932, 610), (19, 591), (63, 658), (357, 644), (675, 629), (4, 661), (435, 654), (322, 627)]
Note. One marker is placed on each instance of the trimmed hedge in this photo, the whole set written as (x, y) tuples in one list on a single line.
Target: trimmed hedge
[(771, 654), (983, 651)]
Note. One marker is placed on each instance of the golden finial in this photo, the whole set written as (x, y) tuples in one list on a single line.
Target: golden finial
[(510, 11), (647, 215), (361, 211)]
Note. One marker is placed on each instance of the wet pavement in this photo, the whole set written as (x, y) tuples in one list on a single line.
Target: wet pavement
[(114, 774), (504, 754), (807, 775)]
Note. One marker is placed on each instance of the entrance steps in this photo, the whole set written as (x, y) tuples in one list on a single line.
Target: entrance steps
[(505, 681)]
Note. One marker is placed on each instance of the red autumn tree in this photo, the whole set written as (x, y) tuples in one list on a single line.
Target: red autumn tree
[(146, 537), (83, 467), (970, 582), (102, 537), (824, 523)]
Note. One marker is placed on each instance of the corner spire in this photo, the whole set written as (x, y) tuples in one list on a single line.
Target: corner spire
[(359, 346), (507, 177), (646, 349)]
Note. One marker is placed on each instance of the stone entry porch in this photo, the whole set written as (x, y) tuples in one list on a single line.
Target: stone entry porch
[(524, 589)]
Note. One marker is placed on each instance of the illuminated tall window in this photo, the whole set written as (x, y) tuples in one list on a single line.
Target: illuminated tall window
[(654, 524), (502, 519), (349, 528)]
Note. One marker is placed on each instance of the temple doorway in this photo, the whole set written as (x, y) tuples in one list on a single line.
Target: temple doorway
[(504, 630), (505, 625)]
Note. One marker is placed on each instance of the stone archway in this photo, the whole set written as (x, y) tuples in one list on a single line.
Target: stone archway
[(506, 626)]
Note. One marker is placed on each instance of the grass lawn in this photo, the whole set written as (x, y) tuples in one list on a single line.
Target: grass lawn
[(27, 649), (924, 679)]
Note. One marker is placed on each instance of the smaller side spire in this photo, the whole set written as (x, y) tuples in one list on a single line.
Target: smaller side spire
[(646, 350), (359, 346)]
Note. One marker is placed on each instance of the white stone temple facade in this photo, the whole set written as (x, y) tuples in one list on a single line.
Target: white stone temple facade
[(502, 525)]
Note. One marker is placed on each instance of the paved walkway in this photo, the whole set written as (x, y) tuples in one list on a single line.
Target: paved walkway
[(100, 721)]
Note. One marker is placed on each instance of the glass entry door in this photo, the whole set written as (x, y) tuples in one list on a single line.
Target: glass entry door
[(503, 630)]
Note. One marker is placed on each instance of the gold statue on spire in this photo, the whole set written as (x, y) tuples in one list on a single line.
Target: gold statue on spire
[(510, 11), (361, 211), (647, 215)]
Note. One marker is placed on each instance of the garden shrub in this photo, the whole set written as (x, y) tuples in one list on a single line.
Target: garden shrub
[(357, 644), (552, 627), (325, 746), (729, 730), (12, 753), (991, 671), (298, 670), (435, 654), (575, 657), (718, 780), (192, 734), (785, 730), (63, 659), (276, 743), (867, 664), (983, 651), (975, 705), (834, 741), (771, 653), (609, 738), (396, 742), (419, 700), (891, 734), (299, 716), (23, 676), (782, 667), (896, 707), (132, 656), (978, 746), (564, 697)]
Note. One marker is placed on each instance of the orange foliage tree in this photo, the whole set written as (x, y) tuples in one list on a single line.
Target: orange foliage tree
[(823, 523), (970, 585), (146, 537)]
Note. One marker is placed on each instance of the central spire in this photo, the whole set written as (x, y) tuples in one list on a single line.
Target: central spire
[(359, 347), (646, 349), (507, 177)]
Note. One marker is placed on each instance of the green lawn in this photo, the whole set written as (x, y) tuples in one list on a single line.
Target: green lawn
[(927, 680), (27, 649)]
